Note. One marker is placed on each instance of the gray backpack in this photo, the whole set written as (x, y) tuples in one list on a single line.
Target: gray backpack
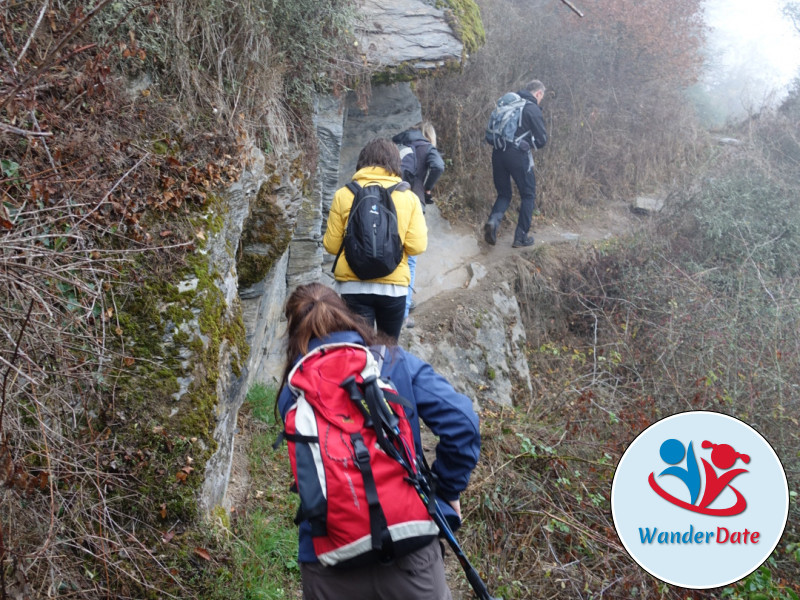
[(505, 120)]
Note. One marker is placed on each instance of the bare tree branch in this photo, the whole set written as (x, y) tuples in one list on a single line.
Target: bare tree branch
[(55, 52), (33, 32), (18, 131)]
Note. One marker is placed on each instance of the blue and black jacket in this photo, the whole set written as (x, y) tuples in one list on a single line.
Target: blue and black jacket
[(429, 161)]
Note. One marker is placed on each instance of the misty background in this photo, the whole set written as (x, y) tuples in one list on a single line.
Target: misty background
[(752, 55)]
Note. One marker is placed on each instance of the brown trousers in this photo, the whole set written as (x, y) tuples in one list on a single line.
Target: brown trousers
[(417, 576)]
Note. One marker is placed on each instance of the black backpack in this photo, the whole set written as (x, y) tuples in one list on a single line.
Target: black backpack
[(371, 240)]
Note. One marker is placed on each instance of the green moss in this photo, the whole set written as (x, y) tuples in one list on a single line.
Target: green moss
[(465, 19), (398, 74), (215, 216), (407, 72), (253, 268), (170, 344), (265, 237)]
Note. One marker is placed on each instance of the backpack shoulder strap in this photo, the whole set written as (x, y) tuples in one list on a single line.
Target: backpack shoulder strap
[(354, 187), (378, 352), (399, 187)]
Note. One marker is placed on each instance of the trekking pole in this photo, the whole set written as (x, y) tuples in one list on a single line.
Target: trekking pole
[(389, 440), (351, 387), (423, 486), (481, 591)]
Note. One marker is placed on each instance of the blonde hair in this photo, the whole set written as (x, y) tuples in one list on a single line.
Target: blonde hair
[(426, 127)]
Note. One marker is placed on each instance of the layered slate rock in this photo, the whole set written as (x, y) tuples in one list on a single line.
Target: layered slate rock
[(392, 109), (406, 32), (402, 38)]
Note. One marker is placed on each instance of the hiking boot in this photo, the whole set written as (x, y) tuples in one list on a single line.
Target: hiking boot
[(409, 323), (522, 243), (490, 233)]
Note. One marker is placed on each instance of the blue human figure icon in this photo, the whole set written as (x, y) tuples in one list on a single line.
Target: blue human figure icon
[(672, 453)]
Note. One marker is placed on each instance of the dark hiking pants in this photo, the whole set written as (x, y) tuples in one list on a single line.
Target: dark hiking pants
[(386, 312), (517, 165), (417, 576)]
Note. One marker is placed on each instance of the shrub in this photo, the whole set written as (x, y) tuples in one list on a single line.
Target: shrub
[(614, 128)]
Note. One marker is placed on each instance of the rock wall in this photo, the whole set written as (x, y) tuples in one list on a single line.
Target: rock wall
[(230, 389), (392, 108), (411, 35), (403, 39), (264, 188)]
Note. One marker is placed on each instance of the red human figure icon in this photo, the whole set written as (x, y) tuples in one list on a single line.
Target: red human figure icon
[(724, 457)]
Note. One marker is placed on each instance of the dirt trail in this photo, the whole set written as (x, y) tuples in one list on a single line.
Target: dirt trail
[(456, 255), (452, 249)]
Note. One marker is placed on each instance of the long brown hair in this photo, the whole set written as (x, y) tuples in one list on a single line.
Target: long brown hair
[(315, 311)]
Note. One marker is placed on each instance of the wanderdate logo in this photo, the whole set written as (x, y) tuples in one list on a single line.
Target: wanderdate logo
[(699, 499), (723, 457)]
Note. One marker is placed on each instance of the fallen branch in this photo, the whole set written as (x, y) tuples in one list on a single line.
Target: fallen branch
[(573, 7), (18, 131), (33, 33)]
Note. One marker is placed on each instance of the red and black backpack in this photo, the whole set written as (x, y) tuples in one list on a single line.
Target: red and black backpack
[(353, 457)]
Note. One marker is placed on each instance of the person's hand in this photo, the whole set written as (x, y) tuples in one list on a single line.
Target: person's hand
[(524, 146), (456, 504), (428, 197)]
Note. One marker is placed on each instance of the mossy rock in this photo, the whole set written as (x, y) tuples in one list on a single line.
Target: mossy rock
[(265, 237), (165, 392), (466, 22)]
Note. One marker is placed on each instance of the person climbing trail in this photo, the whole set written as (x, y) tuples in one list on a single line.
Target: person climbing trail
[(422, 166), (516, 128)]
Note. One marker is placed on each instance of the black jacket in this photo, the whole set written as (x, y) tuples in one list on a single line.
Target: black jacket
[(429, 174), (532, 121)]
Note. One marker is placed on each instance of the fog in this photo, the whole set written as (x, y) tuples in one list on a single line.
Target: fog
[(752, 57)]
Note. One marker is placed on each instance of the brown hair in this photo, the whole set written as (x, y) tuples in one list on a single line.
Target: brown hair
[(314, 311), (380, 152)]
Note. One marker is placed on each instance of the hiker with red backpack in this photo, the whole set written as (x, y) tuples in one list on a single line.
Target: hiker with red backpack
[(516, 128), (368, 516), (375, 224), (422, 166)]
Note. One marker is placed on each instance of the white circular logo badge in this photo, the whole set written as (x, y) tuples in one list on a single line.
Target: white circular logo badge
[(699, 500)]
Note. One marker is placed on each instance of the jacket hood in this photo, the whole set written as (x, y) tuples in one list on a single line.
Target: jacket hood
[(528, 96), (376, 174), (409, 136)]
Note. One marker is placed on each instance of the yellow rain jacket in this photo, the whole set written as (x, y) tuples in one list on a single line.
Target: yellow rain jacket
[(410, 225)]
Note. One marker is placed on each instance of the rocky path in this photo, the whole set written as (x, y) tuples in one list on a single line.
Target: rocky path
[(457, 255), (459, 269)]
